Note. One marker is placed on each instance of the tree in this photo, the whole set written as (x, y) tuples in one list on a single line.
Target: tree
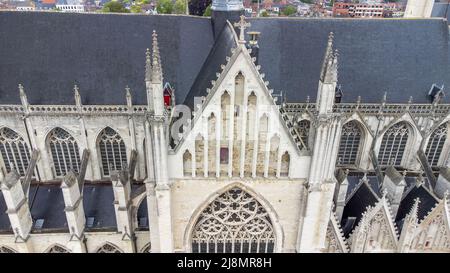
[(136, 9), (164, 6), (114, 6), (289, 10), (207, 11), (180, 7), (198, 7), (264, 13)]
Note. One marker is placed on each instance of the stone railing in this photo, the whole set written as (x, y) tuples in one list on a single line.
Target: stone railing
[(72, 109), (375, 108)]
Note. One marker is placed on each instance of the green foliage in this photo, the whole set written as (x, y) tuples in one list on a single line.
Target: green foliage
[(207, 11), (164, 6), (136, 9), (264, 14), (145, 2), (307, 1), (114, 6), (180, 7), (289, 10)]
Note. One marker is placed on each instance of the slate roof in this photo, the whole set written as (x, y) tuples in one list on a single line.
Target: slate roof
[(222, 48), (49, 52), (441, 10), (46, 202), (401, 57), (427, 202)]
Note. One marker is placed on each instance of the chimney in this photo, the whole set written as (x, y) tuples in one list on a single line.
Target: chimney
[(394, 183), (18, 208), (253, 44), (443, 182)]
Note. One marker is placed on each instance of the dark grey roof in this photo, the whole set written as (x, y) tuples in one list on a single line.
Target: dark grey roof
[(401, 57), (427, 202), (441, 10), (357, 204), (50, 52), (47, 203), (5, 225), (98, 201), (221, 49)]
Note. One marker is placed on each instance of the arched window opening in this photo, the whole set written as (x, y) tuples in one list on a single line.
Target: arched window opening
[(250, 134), (263, 130), (273, 155), (393, 145), (212, 145), (112, 151), (238, 123), (109, 248), (303, 128), (64, 150), (187, 163), (14, 151), (285, 162), (235, 222), (57, 249), (436, 144), (350, 144), (225, 108), (199, 155)]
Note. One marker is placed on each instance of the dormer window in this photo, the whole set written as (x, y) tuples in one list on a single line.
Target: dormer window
[(436, 93)]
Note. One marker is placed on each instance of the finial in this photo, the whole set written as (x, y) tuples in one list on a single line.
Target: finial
[(446, 195), (128, 96), (307, 99), (242, 25), (148, 65), (77, 95), (23, 96), (384, 193), (328, 72), (384, 99), (410, 99), (404, 173), (156, 60)]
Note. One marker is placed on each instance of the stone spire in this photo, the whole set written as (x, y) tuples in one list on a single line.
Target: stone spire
[(328, 72), (156, 61), (148, 66)]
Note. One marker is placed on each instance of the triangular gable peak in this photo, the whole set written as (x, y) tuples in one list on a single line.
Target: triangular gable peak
[(239, 100), (335, 241), (433, 233), (376, 231), (405, 117)]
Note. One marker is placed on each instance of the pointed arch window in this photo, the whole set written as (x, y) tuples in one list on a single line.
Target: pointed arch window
[(436, 144), (285, 162), (235, 222), (187, 163), (109, 248), (4, 249), (112, 151), (57, 249), (393, 145), (14, 151), (64, 151), (303, 128), (350, 144)]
